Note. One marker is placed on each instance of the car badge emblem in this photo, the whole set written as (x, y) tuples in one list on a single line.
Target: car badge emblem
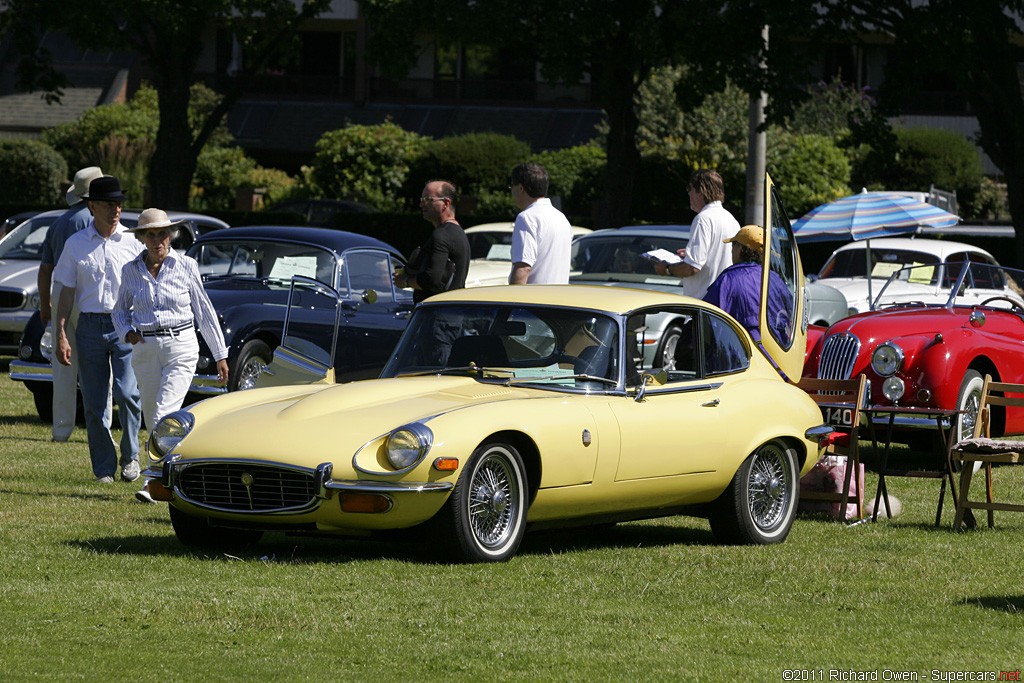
[(247, 481)]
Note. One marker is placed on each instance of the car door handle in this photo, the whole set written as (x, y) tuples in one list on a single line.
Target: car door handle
[(711, 404)]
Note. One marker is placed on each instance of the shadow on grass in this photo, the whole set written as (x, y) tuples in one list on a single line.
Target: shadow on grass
[(277, 547), (1012, 604)]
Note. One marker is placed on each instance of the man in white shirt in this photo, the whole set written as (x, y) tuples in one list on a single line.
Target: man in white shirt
[(541, 236), (89, 269), (706, 254)]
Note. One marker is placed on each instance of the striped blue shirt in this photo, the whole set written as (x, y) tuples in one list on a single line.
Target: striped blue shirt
[(175, 297)]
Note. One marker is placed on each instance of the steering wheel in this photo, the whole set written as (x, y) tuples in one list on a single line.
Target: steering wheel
[(1014, 304)]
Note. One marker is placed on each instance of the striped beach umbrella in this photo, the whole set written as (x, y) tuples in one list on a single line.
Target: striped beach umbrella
[(869, 215)]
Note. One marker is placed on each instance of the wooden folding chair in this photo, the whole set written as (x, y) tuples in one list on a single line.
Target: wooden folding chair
[(840, 401), (985, 450)]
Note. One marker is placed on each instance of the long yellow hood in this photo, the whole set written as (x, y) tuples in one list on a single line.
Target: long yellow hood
[(310, 425)]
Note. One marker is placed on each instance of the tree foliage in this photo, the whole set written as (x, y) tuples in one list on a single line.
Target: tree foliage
[(809, 170), (168, 35), (978, 46), (616, 44)]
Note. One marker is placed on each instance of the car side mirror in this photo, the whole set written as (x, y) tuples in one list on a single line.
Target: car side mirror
[(370, 296)]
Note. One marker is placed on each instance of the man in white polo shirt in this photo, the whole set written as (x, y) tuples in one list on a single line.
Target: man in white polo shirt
[(89, 269), (542, 236)]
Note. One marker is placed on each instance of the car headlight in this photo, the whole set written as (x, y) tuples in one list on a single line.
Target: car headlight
[(887, 359), (46, 343), (169, 432), (893, 388), (408, 445), (33, 301)]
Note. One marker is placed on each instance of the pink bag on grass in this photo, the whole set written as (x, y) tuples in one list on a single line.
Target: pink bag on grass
[(827, 476)]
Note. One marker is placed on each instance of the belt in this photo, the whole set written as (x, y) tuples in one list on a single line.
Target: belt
[(167, 331), (94, 315)]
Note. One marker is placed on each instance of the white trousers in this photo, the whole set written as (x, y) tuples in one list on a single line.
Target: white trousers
[(65, 378), (164, 367)]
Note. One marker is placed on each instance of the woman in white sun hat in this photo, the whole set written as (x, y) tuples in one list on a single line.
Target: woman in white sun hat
[(160, 300)]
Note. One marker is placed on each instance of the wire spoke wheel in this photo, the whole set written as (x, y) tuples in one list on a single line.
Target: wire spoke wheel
[(759, 504), (767, 489), (486, 512)]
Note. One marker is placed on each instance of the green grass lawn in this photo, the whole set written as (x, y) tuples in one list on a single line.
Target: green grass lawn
[(96, 587)]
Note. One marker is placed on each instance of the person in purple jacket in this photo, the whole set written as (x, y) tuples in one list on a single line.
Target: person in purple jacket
[(737, 289)]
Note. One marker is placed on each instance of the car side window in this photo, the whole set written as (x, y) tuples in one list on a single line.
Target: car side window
[(370, 270), (722, 350)]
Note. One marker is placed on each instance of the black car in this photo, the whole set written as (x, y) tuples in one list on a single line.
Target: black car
[(247, 272)]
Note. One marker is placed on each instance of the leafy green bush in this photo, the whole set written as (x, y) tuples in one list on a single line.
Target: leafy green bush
[(478, 163), (809, 170), (930, 156), (367, 163), (220, 173), (991, 203), (33, 172), (576, 176)]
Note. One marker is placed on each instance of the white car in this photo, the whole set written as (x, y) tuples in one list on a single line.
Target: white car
[(847, 270), (490, 253)]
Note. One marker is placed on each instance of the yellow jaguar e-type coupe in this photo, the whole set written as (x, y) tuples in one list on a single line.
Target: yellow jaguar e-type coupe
[(506, 408)]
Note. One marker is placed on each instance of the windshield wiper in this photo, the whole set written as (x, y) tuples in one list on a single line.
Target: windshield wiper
[(586, 378), (452, 371)]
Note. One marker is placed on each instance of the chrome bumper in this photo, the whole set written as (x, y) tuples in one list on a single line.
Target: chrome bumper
[(25, 371)]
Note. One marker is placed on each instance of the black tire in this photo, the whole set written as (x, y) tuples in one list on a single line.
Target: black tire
[(485, 516), (196, 532), (254, 356), (666, 356), (759, 504), (42, 395)]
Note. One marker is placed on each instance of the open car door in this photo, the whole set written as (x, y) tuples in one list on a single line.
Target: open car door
[(299, 359), (783, 314)]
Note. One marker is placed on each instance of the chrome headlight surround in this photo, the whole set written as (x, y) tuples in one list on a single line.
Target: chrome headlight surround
[(168, 433), (887, 359), (408, 445)]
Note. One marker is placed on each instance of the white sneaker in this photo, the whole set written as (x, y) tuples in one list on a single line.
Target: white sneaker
[(130, 472), (105, 480), (142, 495)]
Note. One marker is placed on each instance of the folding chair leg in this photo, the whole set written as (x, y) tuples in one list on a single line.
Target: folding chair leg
[(988, 494), (966, 472)]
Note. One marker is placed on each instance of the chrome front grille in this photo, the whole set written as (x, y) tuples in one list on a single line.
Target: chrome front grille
[(246, 486), (11, 299), (838, 356)]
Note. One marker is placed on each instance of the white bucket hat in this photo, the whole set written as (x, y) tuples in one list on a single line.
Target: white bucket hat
[(152, 219), (80, 185)]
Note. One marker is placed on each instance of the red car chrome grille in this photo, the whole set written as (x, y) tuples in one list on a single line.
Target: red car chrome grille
[(246, 487), (838, 356)]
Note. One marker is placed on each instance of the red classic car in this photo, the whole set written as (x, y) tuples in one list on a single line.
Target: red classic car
[(918, 354)]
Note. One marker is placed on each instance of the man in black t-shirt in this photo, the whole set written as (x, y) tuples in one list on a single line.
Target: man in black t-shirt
[(440, 263)]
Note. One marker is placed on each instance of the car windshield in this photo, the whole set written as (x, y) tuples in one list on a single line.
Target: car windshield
[(264, 260), (968, 284), (620, 254), (26, 240), (493, 246), (854, 263), (521, 344)]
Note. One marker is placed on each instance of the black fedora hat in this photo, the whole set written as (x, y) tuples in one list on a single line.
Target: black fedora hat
[(105, 189)]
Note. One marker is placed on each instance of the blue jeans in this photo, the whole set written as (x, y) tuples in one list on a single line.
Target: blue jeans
[(99, 353)]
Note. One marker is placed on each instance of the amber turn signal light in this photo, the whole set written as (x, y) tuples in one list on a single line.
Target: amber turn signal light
[(364, 502), (158, 491), (446, 464)]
